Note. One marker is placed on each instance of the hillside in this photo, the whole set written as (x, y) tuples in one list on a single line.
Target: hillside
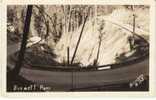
[(104, 38), (114, 38)]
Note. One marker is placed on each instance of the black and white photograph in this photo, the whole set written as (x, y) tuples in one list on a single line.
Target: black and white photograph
[(78, 48)]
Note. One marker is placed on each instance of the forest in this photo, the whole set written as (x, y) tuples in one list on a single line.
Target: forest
[(75, 34)]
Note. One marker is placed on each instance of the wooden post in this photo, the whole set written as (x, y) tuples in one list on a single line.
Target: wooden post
[(19, 63)]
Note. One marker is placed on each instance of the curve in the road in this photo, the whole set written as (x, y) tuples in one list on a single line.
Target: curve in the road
[(67, 80)]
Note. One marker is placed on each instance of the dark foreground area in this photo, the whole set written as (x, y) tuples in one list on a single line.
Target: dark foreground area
[(22, 82)]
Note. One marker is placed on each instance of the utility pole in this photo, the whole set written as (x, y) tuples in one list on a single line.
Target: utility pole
[(133, 19), (19, 63)]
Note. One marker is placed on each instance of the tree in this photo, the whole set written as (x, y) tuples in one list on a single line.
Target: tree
[(19, 63), (100, 41), (40, 20), (78, 42)]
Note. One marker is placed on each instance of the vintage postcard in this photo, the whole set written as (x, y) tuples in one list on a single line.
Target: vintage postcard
[(98, 47)]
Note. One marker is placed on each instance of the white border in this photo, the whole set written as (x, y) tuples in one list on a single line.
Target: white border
[(152, 91), (120, 2)]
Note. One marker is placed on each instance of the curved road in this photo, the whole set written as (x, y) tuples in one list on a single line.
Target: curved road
[(60, 80)]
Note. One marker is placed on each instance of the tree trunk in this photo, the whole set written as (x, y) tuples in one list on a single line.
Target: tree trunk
[(78, 42), (97, 57), (19, 63)]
